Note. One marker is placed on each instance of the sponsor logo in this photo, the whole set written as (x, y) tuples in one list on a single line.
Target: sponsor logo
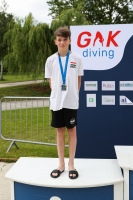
[(72, 121), (91, 100), (126, 85), (108, 85), (108, 100), (73, 64), (90, 85), (125, 101)]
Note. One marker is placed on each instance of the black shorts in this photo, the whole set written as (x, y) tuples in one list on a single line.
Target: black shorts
[(64, 118)]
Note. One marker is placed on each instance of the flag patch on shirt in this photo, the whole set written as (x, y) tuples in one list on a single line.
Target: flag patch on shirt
[(73, 64)]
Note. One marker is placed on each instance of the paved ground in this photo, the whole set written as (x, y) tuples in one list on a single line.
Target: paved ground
[(19, 83), (4, 182)]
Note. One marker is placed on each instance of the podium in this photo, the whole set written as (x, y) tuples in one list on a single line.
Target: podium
[(99, 179), (125, 161)]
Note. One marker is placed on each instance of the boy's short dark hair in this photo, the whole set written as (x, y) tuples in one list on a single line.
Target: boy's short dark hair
[(63, 32)]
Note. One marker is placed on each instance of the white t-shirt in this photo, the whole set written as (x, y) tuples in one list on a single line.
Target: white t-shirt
[(64, 99)]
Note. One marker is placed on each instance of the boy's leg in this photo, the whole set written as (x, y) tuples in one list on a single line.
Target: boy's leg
[(72, 147), (60, 148), (58, 121)]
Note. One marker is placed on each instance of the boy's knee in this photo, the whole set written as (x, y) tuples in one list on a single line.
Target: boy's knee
[(60, 130), (72, 130)]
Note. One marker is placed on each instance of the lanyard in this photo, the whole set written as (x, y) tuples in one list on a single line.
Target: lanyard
[(63, 74)]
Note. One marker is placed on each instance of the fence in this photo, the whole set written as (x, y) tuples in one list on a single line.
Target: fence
[(26, 119)]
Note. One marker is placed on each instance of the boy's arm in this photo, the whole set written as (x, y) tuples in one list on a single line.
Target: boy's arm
[(48, 71), (49, 80), (79, 82)]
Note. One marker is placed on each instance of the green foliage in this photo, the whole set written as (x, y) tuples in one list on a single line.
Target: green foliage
[(5, 20), (109, 11), (95, 12), (57, 6), (28, 46), (69, 18)]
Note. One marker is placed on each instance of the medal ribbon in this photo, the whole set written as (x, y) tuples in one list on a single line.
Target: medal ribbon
[(63, 74)]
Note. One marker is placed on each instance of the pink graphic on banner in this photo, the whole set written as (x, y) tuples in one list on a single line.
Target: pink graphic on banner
[(100, 37)]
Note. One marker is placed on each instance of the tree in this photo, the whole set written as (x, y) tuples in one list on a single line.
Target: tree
[(109, 11), (28, 46), (96, 12), (5, 19), (69, 17), (57, 6)]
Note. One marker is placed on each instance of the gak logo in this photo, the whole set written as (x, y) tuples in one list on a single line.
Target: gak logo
[(98, 36), (101, 47)]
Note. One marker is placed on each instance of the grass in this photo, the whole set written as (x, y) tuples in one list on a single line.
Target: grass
[(33, 90), (31, 124), (18, 78), (25, 149), (28, 125)]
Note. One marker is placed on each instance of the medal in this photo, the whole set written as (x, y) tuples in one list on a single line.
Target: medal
[(63, 87), (63, 73)]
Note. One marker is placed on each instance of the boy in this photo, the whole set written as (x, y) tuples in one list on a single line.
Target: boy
[(63, 71)]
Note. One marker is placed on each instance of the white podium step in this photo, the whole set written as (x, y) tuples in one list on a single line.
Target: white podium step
[(99, 179), (125, 161)]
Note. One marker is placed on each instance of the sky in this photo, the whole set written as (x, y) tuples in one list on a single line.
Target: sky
[(21, 8)]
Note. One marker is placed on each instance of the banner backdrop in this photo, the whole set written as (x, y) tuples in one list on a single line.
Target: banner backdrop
[(105, 115)]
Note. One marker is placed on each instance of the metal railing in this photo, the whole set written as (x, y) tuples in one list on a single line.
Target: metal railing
[(26, 119)]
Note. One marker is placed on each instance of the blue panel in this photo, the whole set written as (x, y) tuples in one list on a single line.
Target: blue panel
[(130, 185), (29, 192), (102, 127)]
